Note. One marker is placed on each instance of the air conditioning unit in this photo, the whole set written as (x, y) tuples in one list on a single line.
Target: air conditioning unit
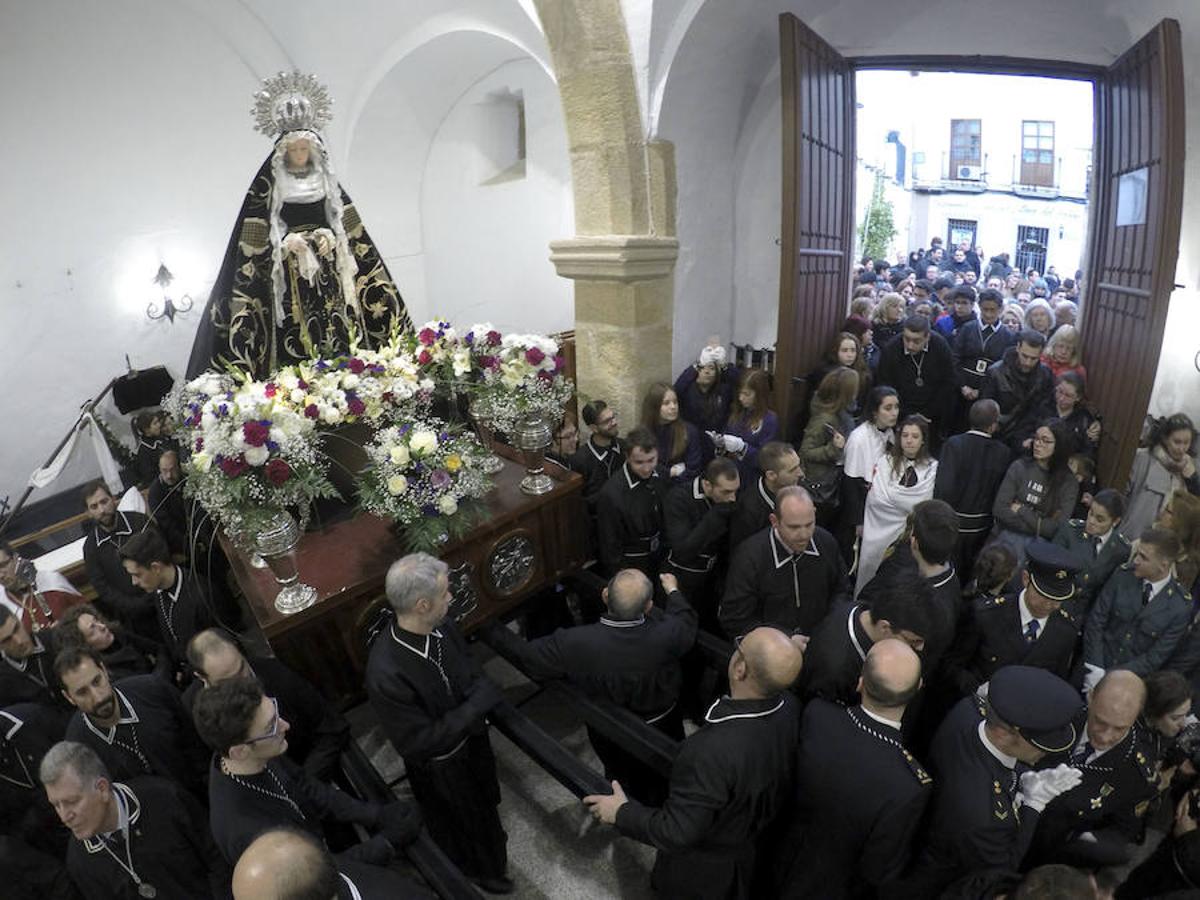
[(969, 173)]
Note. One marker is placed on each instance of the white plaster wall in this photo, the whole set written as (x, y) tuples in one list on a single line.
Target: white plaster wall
[(486, 245)]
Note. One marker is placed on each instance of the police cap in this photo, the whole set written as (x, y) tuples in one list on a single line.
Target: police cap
[(1052, 569), (1038, 703)]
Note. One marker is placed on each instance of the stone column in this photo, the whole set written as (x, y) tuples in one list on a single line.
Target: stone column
[(624, 250)]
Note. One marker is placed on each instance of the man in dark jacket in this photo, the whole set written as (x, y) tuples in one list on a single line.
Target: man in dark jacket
[(919, 365), (779, 464), (629, 510), (729, 781), (109, 529), (696, 518), (1024, 388)]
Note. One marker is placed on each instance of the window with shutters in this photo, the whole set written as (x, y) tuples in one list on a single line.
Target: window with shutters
[(966, 145), (1037, 153)]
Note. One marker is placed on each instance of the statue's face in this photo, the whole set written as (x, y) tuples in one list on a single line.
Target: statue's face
[(297, 153)]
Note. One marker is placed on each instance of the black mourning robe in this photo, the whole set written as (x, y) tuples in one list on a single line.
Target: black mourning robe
[(698, 534), (970, 469), (168, 845), (834, 658), (362, 881), (131, 654), (116, 595), (31, 680), (933, 367), (27, 731), (752, 514), (728, 783), (318, 733), (441, 732), (629, 522), (152, 737), (596, 464), (184, 610), (241, 807)]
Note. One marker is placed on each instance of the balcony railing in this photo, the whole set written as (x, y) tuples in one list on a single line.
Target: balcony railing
[(969, 179)]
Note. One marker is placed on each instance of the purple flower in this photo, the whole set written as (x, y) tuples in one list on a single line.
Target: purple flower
[(429, 509), (440, 479)]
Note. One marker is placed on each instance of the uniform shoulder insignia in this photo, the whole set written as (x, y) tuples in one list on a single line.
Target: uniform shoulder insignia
[(1066, 615), (1076, 523), (1140, 809), (922, 776), (992, 602), (1146, 766)]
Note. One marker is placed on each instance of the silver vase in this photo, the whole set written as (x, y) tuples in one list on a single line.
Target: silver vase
[(532, 436), (483, 417), (277, 543)]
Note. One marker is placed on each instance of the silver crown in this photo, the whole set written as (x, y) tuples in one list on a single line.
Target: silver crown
[(291, 101)]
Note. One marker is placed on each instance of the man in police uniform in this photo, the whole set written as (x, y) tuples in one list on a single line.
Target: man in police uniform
[(1099, 549), (1028, 628), (1097, 823), (729, 781), (779, 464), (696, 518), (1140, 615), (629, 510), (860, 794), (788, 575), (979, 760)]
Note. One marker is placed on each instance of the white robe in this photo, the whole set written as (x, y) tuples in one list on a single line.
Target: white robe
[(864, 446), (888, 506)]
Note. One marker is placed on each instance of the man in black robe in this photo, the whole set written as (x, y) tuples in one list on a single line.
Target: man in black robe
[(788, 575), (779, 465), (601, 454), (629, 510), (970, 469), (109, 529), (696, 518), (318, 732), (253, 787), (137, 726), (631, 658), (123, 652), (26, 663), (27, 731), (860, 793), (285, 863), (834, 657), (919, 365), (184, 600), (140, 838), (728, 783), (432, 701)]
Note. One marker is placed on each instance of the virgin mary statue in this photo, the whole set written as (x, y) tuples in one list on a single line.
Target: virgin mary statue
[(301, 276)]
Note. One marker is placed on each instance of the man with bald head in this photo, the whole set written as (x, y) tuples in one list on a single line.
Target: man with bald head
[(286, 864), (860, 794), (729, 782), (630, 658), (1097, 823), (789, 575)]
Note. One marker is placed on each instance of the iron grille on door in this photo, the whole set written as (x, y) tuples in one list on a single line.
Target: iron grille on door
[(1031, 247)]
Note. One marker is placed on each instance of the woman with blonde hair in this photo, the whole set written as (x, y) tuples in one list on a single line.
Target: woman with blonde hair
[(888, 319), (1039, 316), (825, 439), (1166, 463), (1012, 317), (1181, 516), (1064, 352), (751, 424)]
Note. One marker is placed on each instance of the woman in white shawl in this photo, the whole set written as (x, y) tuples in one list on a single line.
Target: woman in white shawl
[(904, 477), (864, 446)]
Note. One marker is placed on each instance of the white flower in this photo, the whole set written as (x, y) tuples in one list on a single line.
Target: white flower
[(201, 461), (331, 415), (397, 484), (447, 505), (462, 362), (349, 381), (423, 442), (399, 455), (297, 395), (256, 456)]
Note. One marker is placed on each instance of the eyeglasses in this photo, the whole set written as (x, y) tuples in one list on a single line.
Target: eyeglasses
[(1038, 439), (274, 730)]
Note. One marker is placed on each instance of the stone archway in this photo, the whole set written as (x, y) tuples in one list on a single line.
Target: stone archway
[(624, 250)]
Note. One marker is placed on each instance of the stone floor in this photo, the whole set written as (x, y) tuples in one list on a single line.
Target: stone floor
[(556, 851)]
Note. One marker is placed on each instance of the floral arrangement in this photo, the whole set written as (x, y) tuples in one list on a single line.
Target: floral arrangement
[(524, 377), (249, 454), (439, 354), (425, 475)]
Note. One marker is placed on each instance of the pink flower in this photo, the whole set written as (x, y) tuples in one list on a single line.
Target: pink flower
[(302, 383), (427, 336), (278, 471), (494, 337), (559, 362), (269, 390), (425, 358), (355, 406), (255, 433), (534, 356), (233, 466), (356, 365), (544, 375), (311, 411), (199, 444)]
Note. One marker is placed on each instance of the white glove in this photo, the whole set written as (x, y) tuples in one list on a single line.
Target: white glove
[(677, 469), (733, 444), (982, 691), (712, 356), (1039, 788), (1091, 677), (717, 438)]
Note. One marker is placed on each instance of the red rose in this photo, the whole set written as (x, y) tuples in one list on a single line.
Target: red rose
[(233, 466), (425, 358), (494, 337), (269, 390), (302, 383), (355, 406), (278, 471), (356, 365), (489, 362), (427, 336), (311, 411), (255, 433), (534, 356), (544, 375), (199, 444)]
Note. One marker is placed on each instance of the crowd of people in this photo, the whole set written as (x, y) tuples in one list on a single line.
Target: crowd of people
[(952, 663)]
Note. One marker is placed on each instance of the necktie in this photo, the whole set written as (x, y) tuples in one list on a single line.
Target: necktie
[(987, 331), (909, 478), (1081, 755), (1147, 593), (1031, 631), (1095, 545)]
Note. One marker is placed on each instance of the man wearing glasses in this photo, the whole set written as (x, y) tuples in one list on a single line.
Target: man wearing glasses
[(602, 453), (253, 787)]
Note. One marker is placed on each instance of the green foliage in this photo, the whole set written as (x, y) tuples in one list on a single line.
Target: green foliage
[(121, 453), (878, 226)]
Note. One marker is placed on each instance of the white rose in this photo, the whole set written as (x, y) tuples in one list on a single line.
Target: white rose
[(423, 441), (447, 505), (256, 456), (201, 462), (397, 485), (331, 415), (298, 395), (400, 455), (349, 381), (462, 362)]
